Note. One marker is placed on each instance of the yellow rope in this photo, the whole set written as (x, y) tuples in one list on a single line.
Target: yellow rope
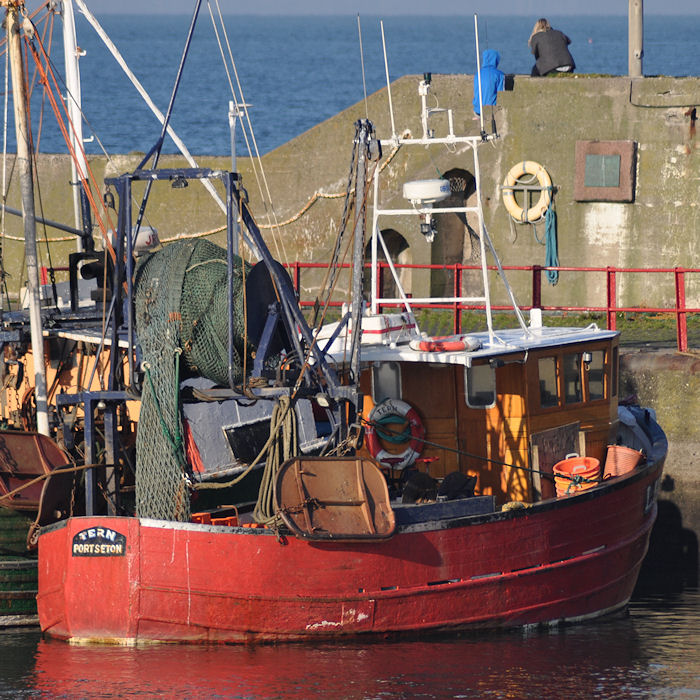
[(64, 239), (202, 234), (283, 447), (276, 423)]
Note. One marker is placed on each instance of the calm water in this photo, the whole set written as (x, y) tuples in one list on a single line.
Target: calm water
[(299, 71), (653, 652)]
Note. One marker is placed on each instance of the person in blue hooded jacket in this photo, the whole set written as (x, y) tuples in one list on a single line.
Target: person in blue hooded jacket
[(492, 80)]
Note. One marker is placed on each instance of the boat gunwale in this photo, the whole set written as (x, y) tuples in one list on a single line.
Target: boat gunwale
[(600, 490)]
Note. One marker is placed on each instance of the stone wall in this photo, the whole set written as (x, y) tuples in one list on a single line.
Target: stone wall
[(538, 119), (670, 384)]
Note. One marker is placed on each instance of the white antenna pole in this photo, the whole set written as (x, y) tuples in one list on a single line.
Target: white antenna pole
[(388, 86), (478, 71), (362, 62), (235, 112), (72, 53)]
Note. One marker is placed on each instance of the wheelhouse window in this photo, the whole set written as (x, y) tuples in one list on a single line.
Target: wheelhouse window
[(480, 386), (569, 378), (386, 381), (547, 367), (595, 371), (573, 390)]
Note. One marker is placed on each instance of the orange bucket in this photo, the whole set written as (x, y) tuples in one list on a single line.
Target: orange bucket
[(586, 467), (619, 460)]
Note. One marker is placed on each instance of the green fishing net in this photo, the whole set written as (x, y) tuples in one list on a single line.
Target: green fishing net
[(181, 311)]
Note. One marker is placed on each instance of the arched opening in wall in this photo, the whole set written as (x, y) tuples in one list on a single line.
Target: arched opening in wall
[(400, 253), (457, 237)]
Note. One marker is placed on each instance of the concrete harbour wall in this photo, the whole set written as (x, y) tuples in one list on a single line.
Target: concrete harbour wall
[(670, 384), (538, 119)]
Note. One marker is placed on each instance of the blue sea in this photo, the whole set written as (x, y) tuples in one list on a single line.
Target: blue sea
[(299, 71)]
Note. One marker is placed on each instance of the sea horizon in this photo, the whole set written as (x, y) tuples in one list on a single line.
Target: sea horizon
[(297, 71)]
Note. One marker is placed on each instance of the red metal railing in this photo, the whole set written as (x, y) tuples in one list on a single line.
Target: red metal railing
[(610, 308)]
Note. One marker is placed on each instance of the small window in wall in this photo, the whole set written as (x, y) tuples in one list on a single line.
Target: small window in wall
[(596, 375), (386, 381), (480, 386), (602, 171), (605, 171), (572, 378), (547, 367)]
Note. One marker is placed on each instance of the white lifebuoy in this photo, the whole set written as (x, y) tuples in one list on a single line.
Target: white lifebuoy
[(537, 211), (446, 343), (403, 412)]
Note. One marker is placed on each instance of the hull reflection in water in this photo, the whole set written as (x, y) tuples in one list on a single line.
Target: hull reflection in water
[(655, 649)]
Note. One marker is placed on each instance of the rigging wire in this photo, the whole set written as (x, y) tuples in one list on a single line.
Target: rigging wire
[(61, 88), (3, 278), (145, 96), (332, 269), (211, 232), (48, 21), (388, 82), (155, 152), (39, 201), (359, 209), (256, 160), (34, 147), (472, 455), (48, 75)]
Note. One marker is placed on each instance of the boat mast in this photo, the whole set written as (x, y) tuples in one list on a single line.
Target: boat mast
[(235, 112), (363, 138), (79, 180), (24, 167)]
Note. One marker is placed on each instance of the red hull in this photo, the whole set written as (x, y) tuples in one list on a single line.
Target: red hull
[(565, 560)]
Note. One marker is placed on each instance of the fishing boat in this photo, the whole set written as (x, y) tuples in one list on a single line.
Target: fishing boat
[(249, 476)]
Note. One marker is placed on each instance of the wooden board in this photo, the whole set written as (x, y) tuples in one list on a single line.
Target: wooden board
[(334, 498), (549, 447)]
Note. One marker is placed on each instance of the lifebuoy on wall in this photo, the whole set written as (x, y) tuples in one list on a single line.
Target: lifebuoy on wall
[(537, 211), (395, 411)]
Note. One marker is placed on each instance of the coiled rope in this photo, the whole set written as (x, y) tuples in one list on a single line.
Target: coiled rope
[(284, 446), (551, 256)]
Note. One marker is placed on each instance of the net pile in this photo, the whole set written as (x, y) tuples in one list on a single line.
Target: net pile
[(181, 309)]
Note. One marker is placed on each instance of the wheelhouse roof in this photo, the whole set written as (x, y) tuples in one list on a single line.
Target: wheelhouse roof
[(507, 342)]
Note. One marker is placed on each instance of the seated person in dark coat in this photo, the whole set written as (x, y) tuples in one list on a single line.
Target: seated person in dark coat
[(550, 48)]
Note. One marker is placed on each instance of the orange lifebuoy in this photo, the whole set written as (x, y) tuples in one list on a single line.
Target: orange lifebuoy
[(446, 343), (537, 211), (403, 412)]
